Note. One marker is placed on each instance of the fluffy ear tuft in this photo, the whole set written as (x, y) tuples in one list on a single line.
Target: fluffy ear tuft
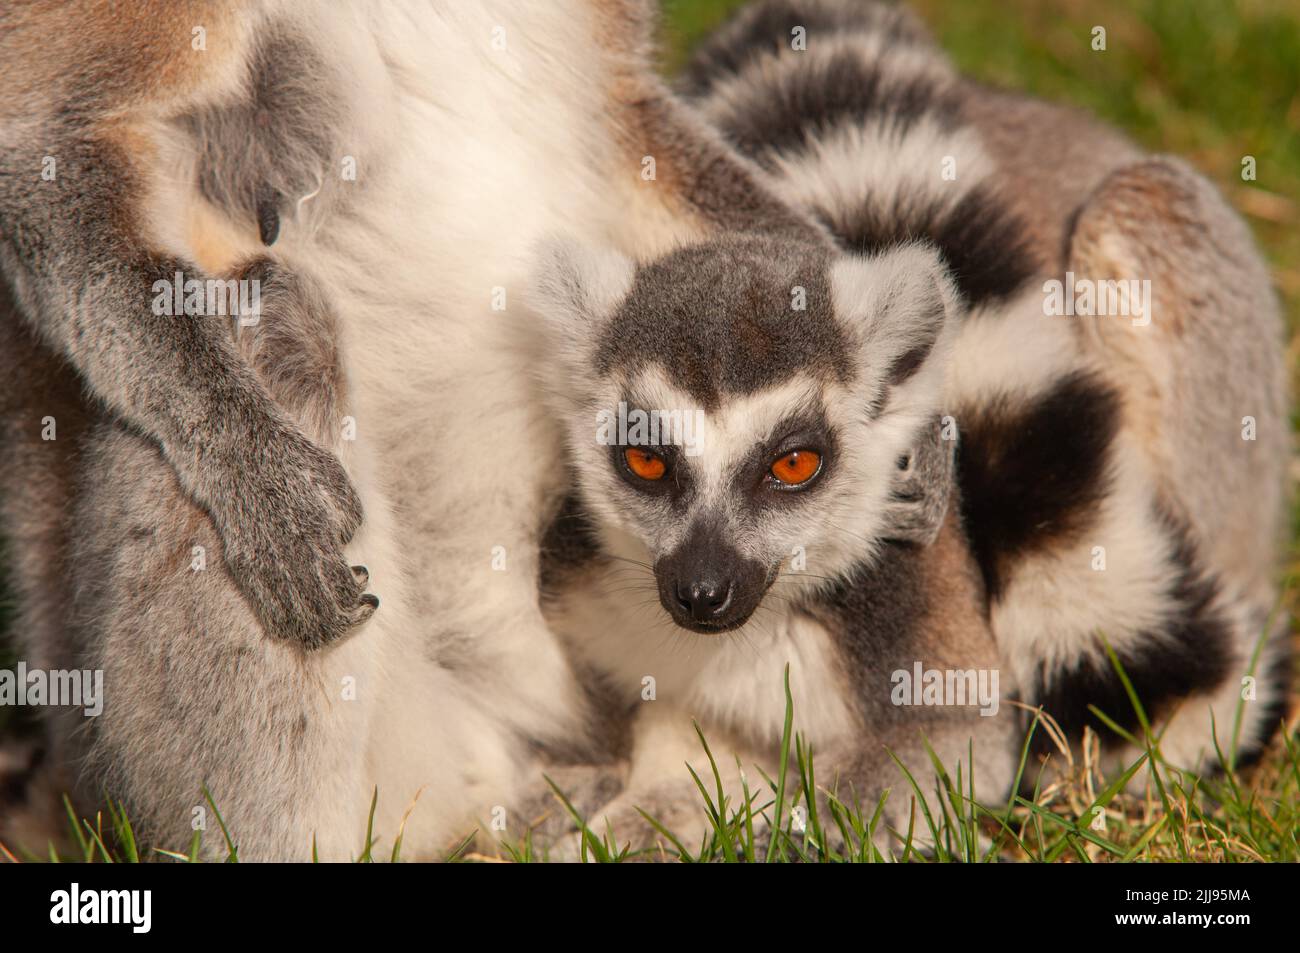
[(575, 288), (900, 304)]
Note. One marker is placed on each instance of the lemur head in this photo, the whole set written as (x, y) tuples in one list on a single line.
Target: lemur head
[(741, 403)]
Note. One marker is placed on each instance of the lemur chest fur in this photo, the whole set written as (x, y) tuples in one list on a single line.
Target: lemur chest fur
[(382, 140), (732, 681)]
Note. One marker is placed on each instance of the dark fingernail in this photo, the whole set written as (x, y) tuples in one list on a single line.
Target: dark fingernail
[(268, 216), (370, 600)]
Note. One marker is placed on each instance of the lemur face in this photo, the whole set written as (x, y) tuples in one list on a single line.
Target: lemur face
[(736, 410)]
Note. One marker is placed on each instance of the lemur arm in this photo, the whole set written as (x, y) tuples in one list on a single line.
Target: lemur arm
[(85, 281), (73, 250)]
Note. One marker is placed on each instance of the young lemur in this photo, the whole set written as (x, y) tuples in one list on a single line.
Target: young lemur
[(1115, 476), (212, 507)]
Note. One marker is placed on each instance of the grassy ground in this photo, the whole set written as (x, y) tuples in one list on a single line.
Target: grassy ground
[(1209, 80), (1084, 817)]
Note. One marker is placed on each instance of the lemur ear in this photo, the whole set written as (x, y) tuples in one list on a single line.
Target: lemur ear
[(899, 303), (575, 288)]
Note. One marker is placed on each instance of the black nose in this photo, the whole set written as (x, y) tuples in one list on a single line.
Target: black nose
[(705, 600)]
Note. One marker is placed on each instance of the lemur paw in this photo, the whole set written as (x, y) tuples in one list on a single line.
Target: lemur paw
[(918, 500), (284, 536)]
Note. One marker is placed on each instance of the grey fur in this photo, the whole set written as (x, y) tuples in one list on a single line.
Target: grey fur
[(113, 527), (82, 277), (174, 432), (752, 338), (259, 154)]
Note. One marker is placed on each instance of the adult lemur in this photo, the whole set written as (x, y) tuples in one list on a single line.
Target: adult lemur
[(198, 511), (1117, 476)]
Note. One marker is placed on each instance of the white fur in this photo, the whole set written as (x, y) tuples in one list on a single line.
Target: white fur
[(1057, 603), (459, 173), (853, 167)]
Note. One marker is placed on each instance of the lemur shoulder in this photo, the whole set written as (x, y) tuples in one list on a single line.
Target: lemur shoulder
[(1114, 479)]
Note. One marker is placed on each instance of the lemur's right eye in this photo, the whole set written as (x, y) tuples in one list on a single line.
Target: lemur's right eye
[(796, 467), (645, 464)]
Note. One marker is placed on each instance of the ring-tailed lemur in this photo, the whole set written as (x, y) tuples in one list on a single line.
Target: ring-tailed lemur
[(762, 486), (381, 169), (1118, 476)]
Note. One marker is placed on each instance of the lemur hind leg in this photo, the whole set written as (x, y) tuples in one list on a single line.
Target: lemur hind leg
[(1203, 385), (197, 693), (1125, 484), (44, 419), (1202, 374)]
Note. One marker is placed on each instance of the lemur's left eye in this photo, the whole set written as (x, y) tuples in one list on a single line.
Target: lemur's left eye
[(646, 465), (797, 467)]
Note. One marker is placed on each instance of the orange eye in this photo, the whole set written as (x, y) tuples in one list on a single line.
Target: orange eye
[(796, 467), (646, 465)]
